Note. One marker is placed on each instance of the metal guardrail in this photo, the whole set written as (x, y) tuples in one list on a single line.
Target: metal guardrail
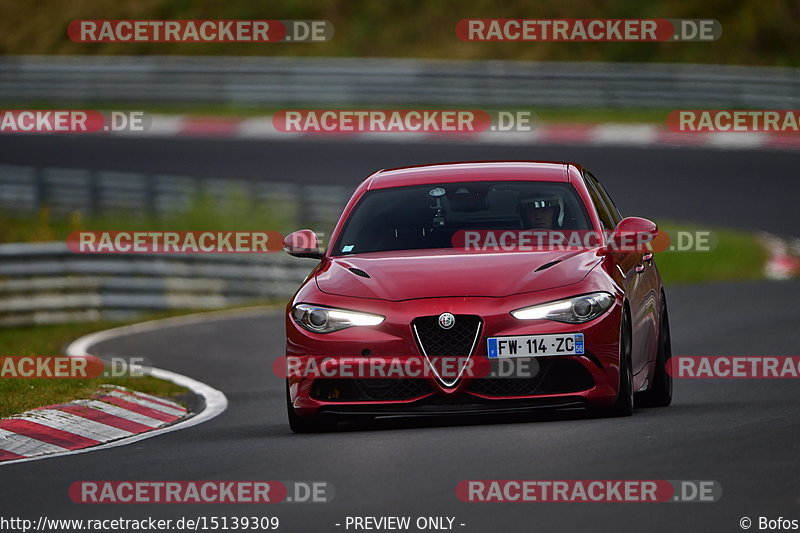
[(286, 81), (65, 190), (45, 283)]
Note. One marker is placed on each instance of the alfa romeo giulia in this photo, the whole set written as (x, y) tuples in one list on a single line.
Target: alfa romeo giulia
[(483, 287)]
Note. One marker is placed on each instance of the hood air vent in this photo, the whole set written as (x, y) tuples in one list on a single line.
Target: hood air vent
[(547, 265), (358, 272)]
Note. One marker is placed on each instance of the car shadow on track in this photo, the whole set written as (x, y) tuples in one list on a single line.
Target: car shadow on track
[(366, 424), (416, 422)]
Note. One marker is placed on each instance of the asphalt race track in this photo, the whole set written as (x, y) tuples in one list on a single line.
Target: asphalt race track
[(731, 188), (741, 433)]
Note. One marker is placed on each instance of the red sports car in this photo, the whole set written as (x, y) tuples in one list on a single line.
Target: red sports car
[(474, 288)]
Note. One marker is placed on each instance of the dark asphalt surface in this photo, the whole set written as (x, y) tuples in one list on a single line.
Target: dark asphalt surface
[(739, 189), (741, 433)]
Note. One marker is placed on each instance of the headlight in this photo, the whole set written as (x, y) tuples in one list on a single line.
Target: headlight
[(575, 310), (326, 319)]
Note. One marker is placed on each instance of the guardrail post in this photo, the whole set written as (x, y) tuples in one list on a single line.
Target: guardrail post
[(304, 207), (41, 188), (93, 202), (151, 195)]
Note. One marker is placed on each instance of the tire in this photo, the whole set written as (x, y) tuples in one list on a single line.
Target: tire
[(310, 424), (660, 392), (624, 404)]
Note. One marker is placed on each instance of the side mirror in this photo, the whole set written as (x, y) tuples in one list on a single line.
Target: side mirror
[(632, 234), (302, 243)]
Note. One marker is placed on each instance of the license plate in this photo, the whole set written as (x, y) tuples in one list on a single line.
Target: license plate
[(535, 345)]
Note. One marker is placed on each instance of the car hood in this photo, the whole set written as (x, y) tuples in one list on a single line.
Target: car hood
[(408, 275)]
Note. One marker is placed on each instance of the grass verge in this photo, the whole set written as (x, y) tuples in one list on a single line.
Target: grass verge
[(759, 33), (736, 256), (233, 211), (18, 395)]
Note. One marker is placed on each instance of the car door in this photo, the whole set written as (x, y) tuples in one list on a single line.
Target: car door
[(641, 283)]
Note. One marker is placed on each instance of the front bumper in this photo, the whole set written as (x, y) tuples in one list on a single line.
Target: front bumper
[(425, 408), (559, 381)]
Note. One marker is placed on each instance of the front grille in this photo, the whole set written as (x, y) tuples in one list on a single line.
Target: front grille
[(377, 389), (457, 341), (555, 376), (394, 389)]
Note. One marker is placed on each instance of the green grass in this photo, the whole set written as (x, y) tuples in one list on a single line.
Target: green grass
[(603, 115), (18, 395), (758, 33), (233, 211), (737, 256)]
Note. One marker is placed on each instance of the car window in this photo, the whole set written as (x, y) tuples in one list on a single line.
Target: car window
[(612, 207), (427, 216), (602, 209)]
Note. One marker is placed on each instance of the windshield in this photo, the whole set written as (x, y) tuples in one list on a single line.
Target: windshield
[(427, 216)]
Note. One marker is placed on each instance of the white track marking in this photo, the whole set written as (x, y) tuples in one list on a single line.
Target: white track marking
[(215, 401), (634, 135), (624, 134), (120, 412), (22, 445), (53, 418), (739, 139), (146, 403), (262, 128), (162, 126), (156, 399)]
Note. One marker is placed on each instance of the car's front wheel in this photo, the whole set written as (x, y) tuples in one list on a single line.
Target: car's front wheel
[(624, 404), (660, 393), (310, 424)]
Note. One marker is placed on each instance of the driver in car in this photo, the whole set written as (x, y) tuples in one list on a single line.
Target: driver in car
[(544, 212)]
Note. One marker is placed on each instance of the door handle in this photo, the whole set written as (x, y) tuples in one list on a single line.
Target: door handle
[(647, 257), (639, 268)]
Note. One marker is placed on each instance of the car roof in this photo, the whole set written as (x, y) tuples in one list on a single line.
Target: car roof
[(472, 171)]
